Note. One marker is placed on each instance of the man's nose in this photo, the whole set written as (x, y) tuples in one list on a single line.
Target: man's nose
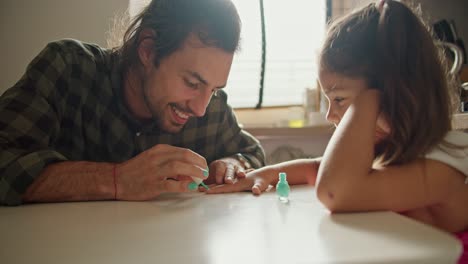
[(199, 103)]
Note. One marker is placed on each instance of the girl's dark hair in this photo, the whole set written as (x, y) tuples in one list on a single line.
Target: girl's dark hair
[(215, 22), (391, 48)]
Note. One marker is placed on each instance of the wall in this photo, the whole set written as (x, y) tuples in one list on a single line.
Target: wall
[(282, 144), (457, 10), (26, 26), (433, 10)]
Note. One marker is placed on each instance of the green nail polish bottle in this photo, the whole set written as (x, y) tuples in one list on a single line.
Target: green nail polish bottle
[(282, 188)]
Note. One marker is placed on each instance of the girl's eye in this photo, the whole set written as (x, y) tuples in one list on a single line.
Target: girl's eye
[(338, 99)]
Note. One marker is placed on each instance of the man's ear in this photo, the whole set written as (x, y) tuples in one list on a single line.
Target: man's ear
[(146, 47)]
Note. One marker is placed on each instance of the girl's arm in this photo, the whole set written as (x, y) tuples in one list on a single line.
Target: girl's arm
[(346, 181)]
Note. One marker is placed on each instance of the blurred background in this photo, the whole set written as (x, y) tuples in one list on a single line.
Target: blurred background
[(290, 122)]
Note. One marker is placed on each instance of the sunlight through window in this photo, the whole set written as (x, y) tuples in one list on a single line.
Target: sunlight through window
[(294, 31)]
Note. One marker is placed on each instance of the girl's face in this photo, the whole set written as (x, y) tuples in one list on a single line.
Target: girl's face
[(341, 91)]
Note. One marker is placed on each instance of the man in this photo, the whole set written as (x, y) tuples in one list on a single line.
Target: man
[(85, 123)]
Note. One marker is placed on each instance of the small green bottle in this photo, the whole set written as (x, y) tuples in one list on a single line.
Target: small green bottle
[(282, 188)]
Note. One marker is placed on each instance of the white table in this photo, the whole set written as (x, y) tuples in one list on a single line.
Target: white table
[(227, 228)]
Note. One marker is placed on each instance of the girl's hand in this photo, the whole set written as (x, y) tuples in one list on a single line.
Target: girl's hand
[(382, 128), (252, 180)]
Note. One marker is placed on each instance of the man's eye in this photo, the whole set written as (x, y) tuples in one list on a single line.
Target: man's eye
[(191, 84)]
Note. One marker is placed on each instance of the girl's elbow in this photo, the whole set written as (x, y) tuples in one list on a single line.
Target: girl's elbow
[(329, 198)]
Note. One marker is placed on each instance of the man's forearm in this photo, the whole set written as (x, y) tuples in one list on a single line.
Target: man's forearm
[(73, 181)]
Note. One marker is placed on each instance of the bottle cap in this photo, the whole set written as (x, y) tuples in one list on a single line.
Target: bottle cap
[(282, 176)]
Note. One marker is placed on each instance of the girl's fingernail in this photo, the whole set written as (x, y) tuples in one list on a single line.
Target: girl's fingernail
[(204, 185), (206, 172), (193, 186)]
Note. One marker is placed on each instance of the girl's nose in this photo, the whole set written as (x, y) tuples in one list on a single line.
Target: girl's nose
[(332, 116)]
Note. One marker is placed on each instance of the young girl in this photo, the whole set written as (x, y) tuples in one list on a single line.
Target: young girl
[(393, 148)]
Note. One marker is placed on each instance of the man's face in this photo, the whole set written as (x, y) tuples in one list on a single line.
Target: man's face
[(182, 85)]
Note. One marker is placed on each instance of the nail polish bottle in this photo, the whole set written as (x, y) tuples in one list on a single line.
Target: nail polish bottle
[(282, 188)]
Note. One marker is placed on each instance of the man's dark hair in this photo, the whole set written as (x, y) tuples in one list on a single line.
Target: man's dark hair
[(215, 22)]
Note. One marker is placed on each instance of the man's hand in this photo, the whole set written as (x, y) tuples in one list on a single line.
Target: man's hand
[(163, 168)]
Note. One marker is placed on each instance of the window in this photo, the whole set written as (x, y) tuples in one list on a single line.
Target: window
[(294, 31)]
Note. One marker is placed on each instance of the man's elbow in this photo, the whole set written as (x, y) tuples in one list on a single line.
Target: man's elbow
[(10, 201), (8, 196)]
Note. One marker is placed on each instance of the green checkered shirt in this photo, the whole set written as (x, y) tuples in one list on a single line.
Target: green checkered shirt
[(69, 106)]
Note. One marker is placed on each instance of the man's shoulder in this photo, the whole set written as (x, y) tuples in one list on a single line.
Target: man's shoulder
[(71, 66), (218, 102), (221, 95), (72, 49)]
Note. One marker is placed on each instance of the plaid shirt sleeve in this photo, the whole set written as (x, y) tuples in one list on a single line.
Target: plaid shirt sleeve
[(28, 123), (236, 140)]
